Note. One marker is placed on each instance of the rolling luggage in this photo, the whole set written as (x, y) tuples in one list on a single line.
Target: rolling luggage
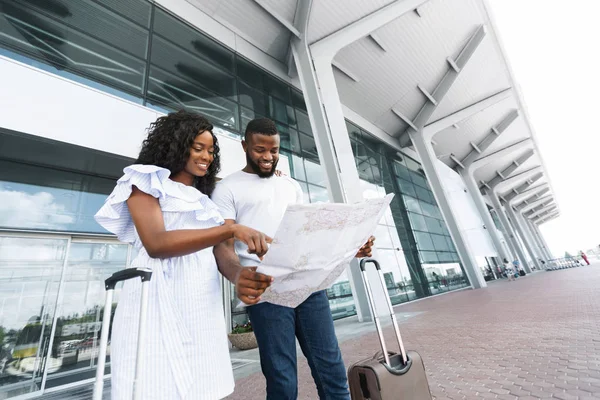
[(387, 375), (110, 283)]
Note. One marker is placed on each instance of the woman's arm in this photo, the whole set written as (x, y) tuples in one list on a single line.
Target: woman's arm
[(159, 243)]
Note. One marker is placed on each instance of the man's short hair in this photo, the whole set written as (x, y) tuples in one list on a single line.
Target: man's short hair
[(262, 126)]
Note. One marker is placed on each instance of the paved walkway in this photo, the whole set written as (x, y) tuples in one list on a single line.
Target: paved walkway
[(538, 337)]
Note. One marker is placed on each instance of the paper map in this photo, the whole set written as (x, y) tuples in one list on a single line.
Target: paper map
[(314, 244)]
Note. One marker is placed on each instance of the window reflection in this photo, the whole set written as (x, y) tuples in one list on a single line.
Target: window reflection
[(340, 297), (112, 56), (65, 206), (318, 194), (30, 271)]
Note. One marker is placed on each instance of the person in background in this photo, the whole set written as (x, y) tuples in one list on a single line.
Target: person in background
[(584, 256), (510, 272), (257, 197), (161, 206), (516, 265)]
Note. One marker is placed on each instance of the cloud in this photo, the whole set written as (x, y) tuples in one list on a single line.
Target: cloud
[(32, 211)]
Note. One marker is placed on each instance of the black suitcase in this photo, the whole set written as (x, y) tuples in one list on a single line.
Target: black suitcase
[(387, 375)]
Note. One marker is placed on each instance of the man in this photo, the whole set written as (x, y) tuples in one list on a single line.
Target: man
[(255, 197)]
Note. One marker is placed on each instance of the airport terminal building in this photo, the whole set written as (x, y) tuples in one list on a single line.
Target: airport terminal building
[(411, 97)]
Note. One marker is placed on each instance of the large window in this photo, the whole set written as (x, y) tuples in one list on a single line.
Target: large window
[(413, 243), (104, 42)]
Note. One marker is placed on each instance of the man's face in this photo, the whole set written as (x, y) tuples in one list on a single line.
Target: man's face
[(262, 153)]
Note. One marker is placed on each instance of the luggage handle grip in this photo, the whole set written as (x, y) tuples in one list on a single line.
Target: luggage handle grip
[(127, 274), (363, 263)]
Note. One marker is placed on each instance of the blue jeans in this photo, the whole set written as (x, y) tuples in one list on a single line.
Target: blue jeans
[(276, 329)]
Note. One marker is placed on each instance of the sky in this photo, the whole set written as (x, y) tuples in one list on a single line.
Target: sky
[(552, 48)]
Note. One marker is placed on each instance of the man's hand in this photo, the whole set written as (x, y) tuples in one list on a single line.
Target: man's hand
[(250, 285), (367, 249)]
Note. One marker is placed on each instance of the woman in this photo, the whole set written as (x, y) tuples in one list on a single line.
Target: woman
[(161, 205)]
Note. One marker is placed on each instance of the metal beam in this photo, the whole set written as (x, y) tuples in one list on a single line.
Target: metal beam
[(508, 197), (443, 87), (378, 41), (545, 218), (284, 22), (500, 154), (490, 138), (334, 42), (502, 175), (515, 179), (540, 204), (345, 71), (523, 208), (544, 214), (523, 199), (543, 211), (467, 112)]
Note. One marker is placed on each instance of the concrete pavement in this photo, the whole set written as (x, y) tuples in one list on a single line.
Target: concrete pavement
[(537, 337)]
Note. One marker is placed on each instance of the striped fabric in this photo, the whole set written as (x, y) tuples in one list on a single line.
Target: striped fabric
[(186, 353)]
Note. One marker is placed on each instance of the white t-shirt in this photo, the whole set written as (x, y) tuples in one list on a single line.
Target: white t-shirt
[(256, 202)]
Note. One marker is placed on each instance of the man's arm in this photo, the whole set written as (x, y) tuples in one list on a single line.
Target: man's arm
[(249, 284), (367, 249)]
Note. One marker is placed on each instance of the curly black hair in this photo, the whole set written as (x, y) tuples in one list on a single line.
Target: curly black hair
[(168, 145)]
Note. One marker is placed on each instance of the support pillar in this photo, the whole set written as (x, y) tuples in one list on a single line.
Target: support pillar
[(428, 159), (336, 157), (529, 233), (536, 229), (524, 238), (537, 240), (471, 185), (509, 233)]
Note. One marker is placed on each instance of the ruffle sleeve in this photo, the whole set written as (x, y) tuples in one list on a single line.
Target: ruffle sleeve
[(173, 197)]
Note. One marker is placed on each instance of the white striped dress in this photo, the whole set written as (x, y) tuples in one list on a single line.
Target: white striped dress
[(186, 353)]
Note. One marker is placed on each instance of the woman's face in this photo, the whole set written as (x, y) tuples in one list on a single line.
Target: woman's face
[(201, 154)]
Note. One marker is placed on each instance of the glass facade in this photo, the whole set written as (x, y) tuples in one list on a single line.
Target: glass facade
[(413, 244), (51, 308), (138, 51)]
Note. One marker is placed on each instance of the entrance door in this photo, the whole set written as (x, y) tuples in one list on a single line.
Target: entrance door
[(51, 308)]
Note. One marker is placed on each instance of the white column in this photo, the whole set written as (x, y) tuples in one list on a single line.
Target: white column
[(524, 238), (509, 233), (541, 238), (335, 152), (469, 181), (428, 160), (537, 240), (529, 233)]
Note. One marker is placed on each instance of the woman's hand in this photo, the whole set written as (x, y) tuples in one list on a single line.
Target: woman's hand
[(256, 241)]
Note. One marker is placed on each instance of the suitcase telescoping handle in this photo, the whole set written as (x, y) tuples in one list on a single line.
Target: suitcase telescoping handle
[(109, 284), (363, 264)]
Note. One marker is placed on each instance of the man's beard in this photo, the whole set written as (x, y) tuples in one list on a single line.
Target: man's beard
[(258, 171)]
